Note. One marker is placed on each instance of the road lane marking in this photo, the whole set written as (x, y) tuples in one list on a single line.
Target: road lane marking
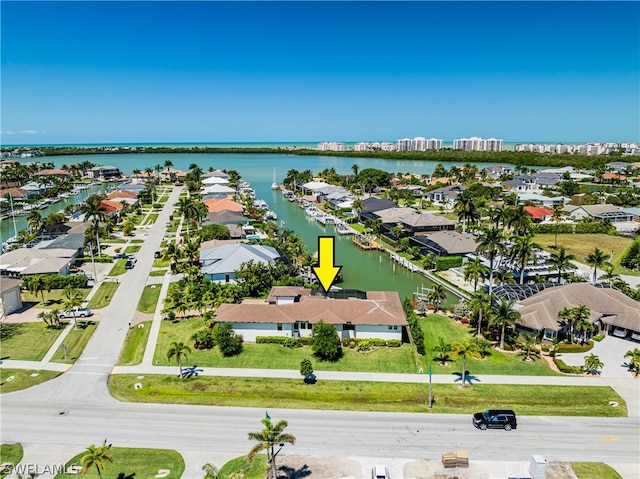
[(609, 438)]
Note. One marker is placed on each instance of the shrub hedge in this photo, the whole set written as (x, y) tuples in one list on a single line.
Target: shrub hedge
[(57, 281), (447, 262), (574, 348), (565, 368)]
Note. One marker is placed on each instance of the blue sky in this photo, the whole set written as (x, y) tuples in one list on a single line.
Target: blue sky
[(117, 72)]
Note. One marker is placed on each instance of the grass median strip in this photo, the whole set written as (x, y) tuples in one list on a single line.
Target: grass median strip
[(594, 470), (367, 395), (149, 299), (104, 295), (75, 343), (133, 462), (23, 378), (118, 268), (134, 344), (10, 453)]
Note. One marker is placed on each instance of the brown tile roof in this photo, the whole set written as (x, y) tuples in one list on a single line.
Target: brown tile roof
[(287, 291), (122, 194), (380, 308), (14, 192), (52, 172), (541, 310)]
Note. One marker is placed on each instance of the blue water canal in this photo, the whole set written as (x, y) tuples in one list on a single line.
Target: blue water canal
[(365, 270)]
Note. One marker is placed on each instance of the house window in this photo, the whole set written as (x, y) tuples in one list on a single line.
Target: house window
[(393, 328), (349, 327), (279, 326), (226, 278)]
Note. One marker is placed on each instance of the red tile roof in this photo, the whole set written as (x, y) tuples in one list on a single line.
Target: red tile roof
[(538, 212)]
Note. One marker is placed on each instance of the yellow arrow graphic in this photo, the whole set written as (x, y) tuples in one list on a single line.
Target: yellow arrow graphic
[(327, 271)]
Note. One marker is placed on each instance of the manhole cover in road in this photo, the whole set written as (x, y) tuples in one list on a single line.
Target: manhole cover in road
[(63, 413)]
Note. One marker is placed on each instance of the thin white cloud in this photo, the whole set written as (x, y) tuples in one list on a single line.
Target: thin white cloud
[(29, 132), (7, 132)]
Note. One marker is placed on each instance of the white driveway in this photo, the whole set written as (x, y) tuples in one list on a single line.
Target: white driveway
[(611, 351)]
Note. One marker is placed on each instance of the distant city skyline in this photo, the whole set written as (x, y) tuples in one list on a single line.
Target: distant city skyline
[(286, 72)]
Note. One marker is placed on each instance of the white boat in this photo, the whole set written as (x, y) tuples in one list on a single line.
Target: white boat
[(270, 215), (274, 185)]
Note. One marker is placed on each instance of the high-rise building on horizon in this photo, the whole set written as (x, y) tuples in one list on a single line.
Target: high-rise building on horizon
[(477, 144)]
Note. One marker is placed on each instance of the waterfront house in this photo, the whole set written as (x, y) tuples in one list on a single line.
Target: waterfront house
[(217, 191), (104, 172), (215, 180), (215, 205), (53, 172), (496, 171), (541, 199), (292, 312), (445, 243), (220, 263), (171, 174), (415, 224), (610, 310)]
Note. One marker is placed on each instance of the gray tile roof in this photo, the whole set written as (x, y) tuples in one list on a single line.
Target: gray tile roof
[(228, 258), (541, 310)]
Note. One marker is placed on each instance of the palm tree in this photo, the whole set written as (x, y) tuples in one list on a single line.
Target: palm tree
[(37, 285), (96, 456), (355, 168), (520, 221), (529, 346), (634, 360), (210, 471), (475, 271), (464, 206), (168, 164), (358, 206), (267, 440), (480, 305), (437, 295), (34, 220), (609, 275), (597, 259), (173, 253), (567, 317), (522, 252), (581, 314), (504, 316), (491, 245), (562, 262), (94, 210), (179, 350), (464, 349), (72, 300), (443, 351), (592, 364)]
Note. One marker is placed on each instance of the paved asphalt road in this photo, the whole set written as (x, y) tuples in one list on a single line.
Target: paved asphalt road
[(76, 409)]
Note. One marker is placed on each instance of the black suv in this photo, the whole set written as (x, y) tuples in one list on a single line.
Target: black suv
[(495, 419)]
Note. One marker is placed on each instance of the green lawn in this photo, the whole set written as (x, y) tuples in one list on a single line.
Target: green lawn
[(137, 241), (582, 245), (119, 268), (133, 462), (52, 299), (436, 326), (132, 249), (256, 469), (75, 342), (104, 295), (161, 263), (158, 272), (367, 395), (594, 470), (10, 453), (149, 220), (134, 344), (163, 199), (27, 341), (149, 298), (274, 356), (23, 379)]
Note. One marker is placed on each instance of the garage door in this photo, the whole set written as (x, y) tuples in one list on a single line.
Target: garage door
[(11, 301)]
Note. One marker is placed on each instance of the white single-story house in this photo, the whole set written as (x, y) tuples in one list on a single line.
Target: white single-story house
[(292, 312), (220, 263), (25, 261)]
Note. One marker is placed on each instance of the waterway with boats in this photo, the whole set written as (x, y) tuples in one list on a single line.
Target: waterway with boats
[(371, 270)]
